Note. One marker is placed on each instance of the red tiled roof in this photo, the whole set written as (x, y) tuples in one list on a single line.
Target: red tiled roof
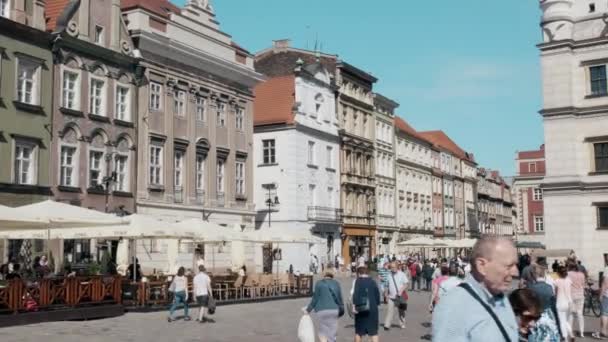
[(53, 10), (159, 7), (441, 139), (405, 127), (274, 100)]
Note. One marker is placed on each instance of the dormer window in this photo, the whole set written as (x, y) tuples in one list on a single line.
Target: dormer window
[(98, 34)]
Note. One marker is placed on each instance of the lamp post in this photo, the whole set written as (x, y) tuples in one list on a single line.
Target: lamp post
[(269, 201), (109, 179), (370, 214)]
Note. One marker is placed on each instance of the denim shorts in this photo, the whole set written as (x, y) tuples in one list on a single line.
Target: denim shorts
[(202, 301), (604, 306)]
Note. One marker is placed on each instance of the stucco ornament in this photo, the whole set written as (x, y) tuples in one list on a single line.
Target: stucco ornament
[(72, 28), (125, 47)]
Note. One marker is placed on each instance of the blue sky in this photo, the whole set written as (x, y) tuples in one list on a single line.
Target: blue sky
[(470, 67)]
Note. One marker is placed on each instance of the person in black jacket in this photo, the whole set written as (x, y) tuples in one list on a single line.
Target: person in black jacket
[(366, 299)]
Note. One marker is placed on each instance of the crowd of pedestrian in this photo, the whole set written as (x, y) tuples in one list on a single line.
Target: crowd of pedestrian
[(471, 299)]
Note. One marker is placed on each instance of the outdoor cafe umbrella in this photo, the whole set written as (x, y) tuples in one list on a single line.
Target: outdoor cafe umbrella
[(423, 242)]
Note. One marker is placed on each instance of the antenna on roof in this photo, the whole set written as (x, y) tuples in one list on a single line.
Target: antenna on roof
[(316, 41)]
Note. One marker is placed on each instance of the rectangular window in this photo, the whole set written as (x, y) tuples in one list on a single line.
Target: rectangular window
[(156, 164), (95, 168), (268, 151), (96, 97), (122, 173), (539, 225), (240, 117), (221, 114), (532, 167), (220, 176), (311, 195), (330, 157), (311, 153), (70, 94), (600, 151), (330, 197), (602, 217), (27, 82), (240, 178), (200, 108), (68, 165), (98, 34), (598, 79), (4, 8), (538, 194), (179, 103), (123, 104), (25, 162), (178, 169), (156, 91), (200, 172)]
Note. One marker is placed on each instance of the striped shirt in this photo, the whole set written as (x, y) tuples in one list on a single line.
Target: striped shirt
[(460, 318)]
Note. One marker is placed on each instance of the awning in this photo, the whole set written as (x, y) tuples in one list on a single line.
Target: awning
[(423, 242), (530, 244)]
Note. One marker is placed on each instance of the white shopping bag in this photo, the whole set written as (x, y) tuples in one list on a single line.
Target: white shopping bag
[(306, 329)]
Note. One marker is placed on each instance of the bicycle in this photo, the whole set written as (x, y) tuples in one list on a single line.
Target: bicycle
[(592, 301)]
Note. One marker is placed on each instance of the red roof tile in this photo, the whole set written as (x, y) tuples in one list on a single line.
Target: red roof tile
[(159, 7), (274, 101), (440, 139), (53, 10), (405, 127)]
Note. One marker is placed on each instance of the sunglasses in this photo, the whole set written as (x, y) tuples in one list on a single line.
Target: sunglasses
[(529, 317)]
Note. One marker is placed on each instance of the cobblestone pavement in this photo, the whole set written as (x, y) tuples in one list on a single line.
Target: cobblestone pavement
[(271, 321)]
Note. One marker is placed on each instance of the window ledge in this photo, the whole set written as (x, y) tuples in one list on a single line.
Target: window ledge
[(312, 166), (602, 228), (71, 112), (598, 173), (267, 165), (99, 118), (330, 169), (122, 194), (30, 108), (96, 191), (156, 188), (64, 188), (123, 123), (594, 96)]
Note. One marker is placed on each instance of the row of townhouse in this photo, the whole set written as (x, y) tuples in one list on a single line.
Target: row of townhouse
[(126, 106), (148, 107), (334, 159)]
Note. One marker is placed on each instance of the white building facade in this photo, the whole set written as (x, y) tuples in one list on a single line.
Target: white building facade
[(195, 130), (387, 233), (414, 187), (297, 166), (574, 58)]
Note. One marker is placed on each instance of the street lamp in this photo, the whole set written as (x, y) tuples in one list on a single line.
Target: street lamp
[(370, 214), (108, 180), (270, 201)]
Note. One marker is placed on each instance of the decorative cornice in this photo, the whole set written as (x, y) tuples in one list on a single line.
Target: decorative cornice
[(575, 111)]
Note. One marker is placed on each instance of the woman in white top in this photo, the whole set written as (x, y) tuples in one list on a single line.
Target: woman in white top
[(564, 303), (179, 287)]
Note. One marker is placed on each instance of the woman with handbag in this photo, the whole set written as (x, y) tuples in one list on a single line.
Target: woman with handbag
[(366, 299), (179, 287), (328, 306)]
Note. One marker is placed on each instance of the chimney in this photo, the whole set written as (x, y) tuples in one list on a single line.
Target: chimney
[(281, 43)]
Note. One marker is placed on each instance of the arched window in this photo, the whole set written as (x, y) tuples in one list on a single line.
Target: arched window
[(68, 163)]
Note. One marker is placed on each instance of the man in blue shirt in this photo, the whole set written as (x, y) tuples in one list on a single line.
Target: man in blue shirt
[(460, 317)]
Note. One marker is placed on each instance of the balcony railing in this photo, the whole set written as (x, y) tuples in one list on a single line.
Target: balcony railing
[(325, 214)]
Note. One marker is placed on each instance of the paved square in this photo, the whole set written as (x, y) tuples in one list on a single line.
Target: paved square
[(259, 322)]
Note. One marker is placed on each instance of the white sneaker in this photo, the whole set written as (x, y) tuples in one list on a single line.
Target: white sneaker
[(403, 326)]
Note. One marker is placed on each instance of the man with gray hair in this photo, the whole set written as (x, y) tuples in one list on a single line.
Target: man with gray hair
[(478, 310)]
